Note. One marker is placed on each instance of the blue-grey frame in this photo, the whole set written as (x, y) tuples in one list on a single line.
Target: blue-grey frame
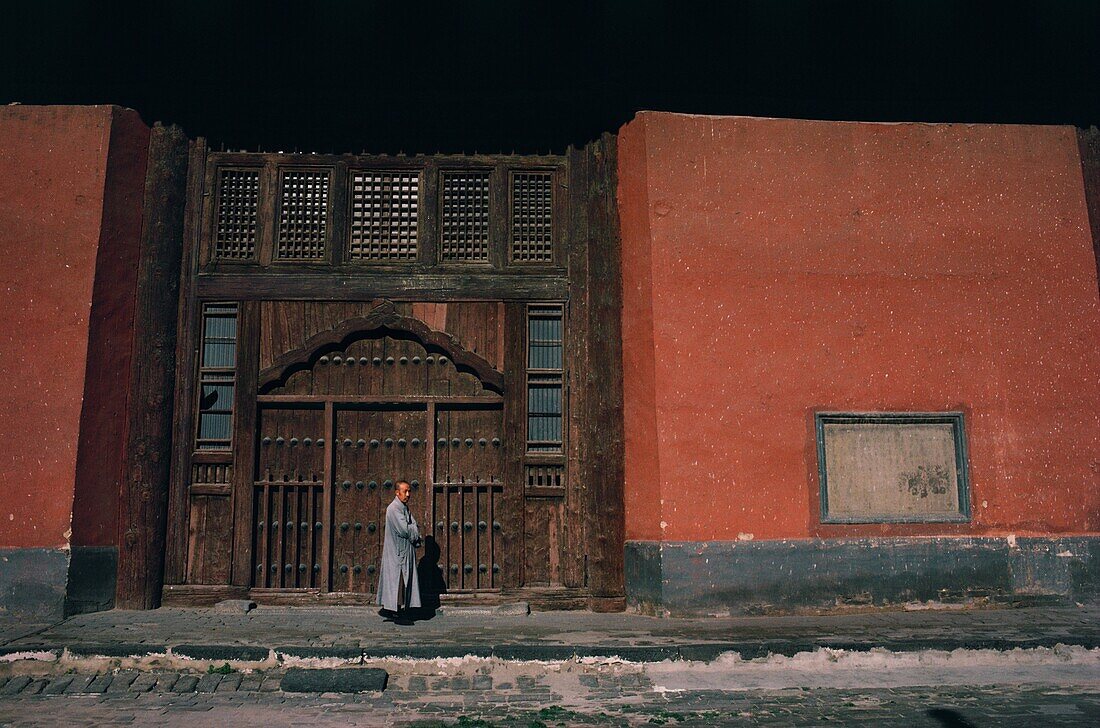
[(955, 419)]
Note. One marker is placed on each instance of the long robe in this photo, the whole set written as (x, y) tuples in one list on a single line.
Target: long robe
[(399, 558)]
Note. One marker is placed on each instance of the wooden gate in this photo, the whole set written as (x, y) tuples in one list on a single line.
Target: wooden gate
[(351, 321), (346, 417)]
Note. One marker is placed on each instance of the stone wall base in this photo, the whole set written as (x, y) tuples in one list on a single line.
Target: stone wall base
[(32, 583), (755, 577)]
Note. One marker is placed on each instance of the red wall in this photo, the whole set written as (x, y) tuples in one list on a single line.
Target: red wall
[(57, 228), (774, 268)]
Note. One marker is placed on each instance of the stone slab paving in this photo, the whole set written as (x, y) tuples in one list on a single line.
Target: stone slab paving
[(351, 631), (907, 706)]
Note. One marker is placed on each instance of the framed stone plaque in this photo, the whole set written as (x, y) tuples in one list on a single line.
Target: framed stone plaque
[(892, 467)]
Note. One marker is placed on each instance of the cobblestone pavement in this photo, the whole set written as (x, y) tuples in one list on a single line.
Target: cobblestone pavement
[(362, 627), (97, 680), (948, 706)]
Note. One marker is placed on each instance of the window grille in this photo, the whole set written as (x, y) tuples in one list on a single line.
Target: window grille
[(217, 376), (303, 216), (238, 207), (384, 208), (465, 229), (532, 217), (545, 374)]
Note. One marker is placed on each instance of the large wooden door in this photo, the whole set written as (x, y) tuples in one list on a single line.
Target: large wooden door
[(468, 497), (375, 447), (288, 504), (340, 421)]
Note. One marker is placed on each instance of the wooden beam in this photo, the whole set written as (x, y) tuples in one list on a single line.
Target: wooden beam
[(386, 161), (244, 441), (605, 382), (186, 352), (258, 283), (512, 518), (377, 399), (143, 506), (578, 520)]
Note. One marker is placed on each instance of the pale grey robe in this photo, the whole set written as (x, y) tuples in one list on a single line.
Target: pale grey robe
[(399, 557)]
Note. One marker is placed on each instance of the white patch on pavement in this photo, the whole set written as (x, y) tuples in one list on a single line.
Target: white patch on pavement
[(878, 668)]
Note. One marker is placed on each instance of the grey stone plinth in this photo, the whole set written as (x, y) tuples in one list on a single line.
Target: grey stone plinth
[(342, 680)]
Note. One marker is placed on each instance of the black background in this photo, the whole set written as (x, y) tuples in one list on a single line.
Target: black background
[(536, 76)]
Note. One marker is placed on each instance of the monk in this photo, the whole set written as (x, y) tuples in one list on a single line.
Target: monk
[(398, 588)]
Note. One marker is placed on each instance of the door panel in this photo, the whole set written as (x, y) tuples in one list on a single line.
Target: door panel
[(287, 508), (374, 449), (337, 426), (466, 493)]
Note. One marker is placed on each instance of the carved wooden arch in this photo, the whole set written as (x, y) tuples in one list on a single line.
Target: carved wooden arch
[(381, 319)]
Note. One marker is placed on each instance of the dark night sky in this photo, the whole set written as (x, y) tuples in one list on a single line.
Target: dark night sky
[(534, 76)]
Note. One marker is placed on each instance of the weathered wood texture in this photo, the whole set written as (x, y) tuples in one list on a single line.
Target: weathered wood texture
[(603, 375), (244, 445), (515, 414), (578, 522), (301, 283), (427, 361), (187, 348), (144, 500), (499, 518)]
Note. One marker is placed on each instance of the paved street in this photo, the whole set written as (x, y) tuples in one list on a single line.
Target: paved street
[(201, 667), (541, 696), (361, 627)]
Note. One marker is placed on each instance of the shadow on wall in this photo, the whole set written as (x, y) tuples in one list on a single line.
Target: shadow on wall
[(430, 575)]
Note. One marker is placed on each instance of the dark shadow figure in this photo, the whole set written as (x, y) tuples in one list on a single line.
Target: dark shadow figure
[(430, 575), (950, 718), (432, 584)]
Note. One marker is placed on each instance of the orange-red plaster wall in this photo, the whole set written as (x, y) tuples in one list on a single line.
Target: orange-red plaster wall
[(67, 204), (774, 268)]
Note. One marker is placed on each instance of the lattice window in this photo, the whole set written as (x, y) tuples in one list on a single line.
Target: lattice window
[(303, 215), (384, 207), (217, 376), (545, 476), (545, 374), (532, 217), (465, 217), (238, 205)]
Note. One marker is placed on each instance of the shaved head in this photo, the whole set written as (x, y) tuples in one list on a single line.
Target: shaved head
[(403, 490)]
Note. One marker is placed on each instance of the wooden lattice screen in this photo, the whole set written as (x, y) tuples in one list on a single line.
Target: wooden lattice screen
[(465, 217), (384, 208), (532, 217), (303, 215), (238, 207)]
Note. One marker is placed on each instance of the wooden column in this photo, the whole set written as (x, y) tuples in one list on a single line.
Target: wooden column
[(244, 440), (143, 505), (604, 383), (578, 520), (512, 523), (175, 559)]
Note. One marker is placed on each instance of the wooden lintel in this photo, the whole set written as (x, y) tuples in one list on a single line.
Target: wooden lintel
[(365, 286), (341, 399), (388, 161)]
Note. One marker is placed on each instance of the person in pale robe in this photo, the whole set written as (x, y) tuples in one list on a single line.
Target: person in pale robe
[(398, 588)]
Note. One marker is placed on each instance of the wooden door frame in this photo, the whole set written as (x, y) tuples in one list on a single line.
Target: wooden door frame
[(585, 276)]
